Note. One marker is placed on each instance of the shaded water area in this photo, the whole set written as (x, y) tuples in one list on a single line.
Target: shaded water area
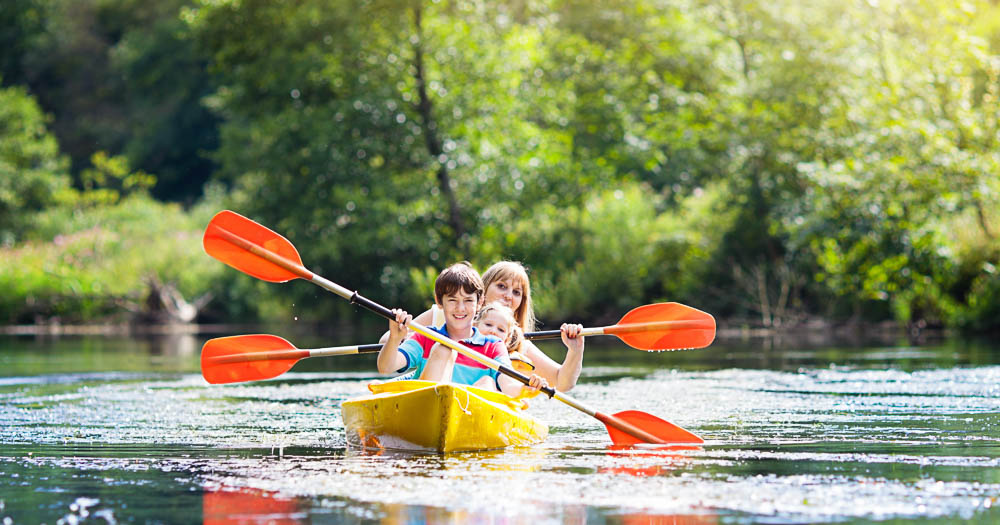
[(112, 429)]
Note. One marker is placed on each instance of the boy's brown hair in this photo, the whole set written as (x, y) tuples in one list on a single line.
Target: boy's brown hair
[(458, 276)]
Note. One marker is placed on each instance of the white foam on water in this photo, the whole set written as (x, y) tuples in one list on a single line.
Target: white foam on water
[(812, 445)]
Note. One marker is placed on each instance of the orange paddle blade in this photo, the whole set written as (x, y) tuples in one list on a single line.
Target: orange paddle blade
[(665, 326), (233, 239), (247, 358), (665, 430)]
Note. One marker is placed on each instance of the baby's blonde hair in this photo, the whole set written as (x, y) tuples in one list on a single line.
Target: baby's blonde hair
[(513, 330)]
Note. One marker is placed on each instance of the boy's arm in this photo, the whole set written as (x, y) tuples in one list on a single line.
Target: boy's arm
[(390, 360), (440, 364), (509, 386)]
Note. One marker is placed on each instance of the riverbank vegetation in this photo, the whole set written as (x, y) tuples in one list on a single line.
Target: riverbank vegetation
[(770, 162)]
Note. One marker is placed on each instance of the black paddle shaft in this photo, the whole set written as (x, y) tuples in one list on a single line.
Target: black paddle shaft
[(544, 334)]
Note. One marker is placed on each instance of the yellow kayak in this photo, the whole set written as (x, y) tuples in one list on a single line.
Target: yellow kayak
[(440, 417)]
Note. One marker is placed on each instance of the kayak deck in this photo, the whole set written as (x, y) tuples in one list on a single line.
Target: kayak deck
[(437, 417)]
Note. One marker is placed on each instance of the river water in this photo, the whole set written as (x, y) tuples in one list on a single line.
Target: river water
[(121, 430)]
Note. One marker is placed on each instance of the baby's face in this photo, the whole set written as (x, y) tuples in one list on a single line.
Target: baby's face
[(494, 324)]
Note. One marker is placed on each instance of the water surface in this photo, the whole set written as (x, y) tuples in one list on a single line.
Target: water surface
[(105, 429)]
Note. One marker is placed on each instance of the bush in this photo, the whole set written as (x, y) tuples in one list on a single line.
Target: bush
[(32, 171), (84, 264), (983, 304), (616, 252)]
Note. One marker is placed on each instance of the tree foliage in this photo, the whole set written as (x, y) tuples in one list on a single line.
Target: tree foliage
[(32, 171), (120, 76), (769, 161)]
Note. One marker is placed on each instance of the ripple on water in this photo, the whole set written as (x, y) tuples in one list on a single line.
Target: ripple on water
[(813, 445)]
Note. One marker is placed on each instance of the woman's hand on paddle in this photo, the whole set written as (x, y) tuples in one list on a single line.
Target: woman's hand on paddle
[(571, 336), (397, 327)]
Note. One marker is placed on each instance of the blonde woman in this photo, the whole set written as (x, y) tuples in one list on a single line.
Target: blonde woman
[(507, 283)]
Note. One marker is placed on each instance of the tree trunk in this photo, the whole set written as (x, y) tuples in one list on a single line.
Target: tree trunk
[(425, 110), (984, 223), (166, 305)]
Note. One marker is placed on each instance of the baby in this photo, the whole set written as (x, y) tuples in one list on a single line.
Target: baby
[(498, 320)]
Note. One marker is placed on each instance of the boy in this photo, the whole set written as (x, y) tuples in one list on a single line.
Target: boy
[(458, 291)]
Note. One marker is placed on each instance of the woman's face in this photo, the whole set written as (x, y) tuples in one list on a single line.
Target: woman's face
[(493, 323), (507, 292)]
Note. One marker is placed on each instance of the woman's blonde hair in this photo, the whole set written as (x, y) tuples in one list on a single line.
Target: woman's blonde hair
[(514, 339), (515, 272)]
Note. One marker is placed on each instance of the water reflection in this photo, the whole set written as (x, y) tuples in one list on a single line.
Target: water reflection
[(175, 345), (658, 519), (228, 506), (652, 460), (398, 514), (237, 506), (845, 434), (514, 459)]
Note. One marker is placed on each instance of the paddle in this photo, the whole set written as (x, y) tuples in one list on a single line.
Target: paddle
[(262, 253), (662, 326), (656, 327), (242, 358)]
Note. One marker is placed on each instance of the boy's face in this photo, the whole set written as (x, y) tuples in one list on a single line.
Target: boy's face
[(459, 309)]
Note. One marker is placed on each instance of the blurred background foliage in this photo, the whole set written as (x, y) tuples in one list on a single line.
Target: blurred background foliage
[(771, 162)]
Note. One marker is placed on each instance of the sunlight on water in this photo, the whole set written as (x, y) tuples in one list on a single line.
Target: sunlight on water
[(814, 444)]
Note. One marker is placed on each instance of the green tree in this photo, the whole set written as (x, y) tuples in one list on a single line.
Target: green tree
[(413, 127), (33, 174), (21, 23), (918, 160), (119, 76)]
